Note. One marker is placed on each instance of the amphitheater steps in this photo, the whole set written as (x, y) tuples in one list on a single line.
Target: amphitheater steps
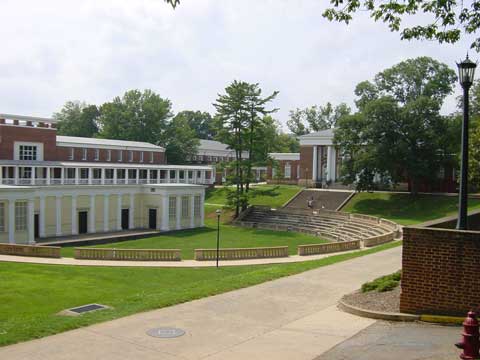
[(322, 199)]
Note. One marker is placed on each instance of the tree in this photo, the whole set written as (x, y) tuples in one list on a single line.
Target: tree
[(399, 119), (181, 141), (450, 19), (136, 116), (200, 122), (77, 119), (239, 113), (316, 118)]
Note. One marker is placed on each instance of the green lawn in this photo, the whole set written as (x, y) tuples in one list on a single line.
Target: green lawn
[(32, 295), (406, 209), (230, 236), (272, 195)]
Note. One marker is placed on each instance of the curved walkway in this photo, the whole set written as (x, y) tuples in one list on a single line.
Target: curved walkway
[(290, 318), (179, 264)]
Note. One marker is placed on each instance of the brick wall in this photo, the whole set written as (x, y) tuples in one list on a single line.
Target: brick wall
[(306, 160), (10, 134), (281, 165), (440, 271)]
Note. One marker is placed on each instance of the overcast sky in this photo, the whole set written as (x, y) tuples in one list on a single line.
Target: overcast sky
[(92, 50)]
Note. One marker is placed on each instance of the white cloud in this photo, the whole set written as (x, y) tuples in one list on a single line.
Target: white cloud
[(94, 50)]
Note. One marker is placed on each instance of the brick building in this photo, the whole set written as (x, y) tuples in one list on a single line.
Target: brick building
[(54, 185)]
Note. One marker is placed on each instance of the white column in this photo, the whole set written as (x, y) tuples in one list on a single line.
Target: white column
[(119, 212), (137, 176), (315, 164), (115, 176), (177, 176), (62, 175), (202, 177), (165, 218), (158, 176), (329, 163), (131, 212), (179, 212), (31, 221), (92, 217), (74, 215), (103, 176), (58, 215), (76, 175), (202, 209), (15, 172), (1, 174), (11, 221), (32, 176), (90, 176), (192, 212), (106, 212), (48, 176), (334, 165), (41, 217), (148, 176)]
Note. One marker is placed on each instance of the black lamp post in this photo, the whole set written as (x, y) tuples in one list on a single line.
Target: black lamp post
[(466, 72), (218, 212)]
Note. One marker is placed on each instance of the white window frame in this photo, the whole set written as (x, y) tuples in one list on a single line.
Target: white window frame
[(196, 206), (298, 171), (172, 208), (120, 155), (185, 207), (109, 155), (130, 155), (21, 215), (151, 156), (2, 217), (287, 171), (71, 155), (97, 154), (84, 153), (39, 149), (141, 156)]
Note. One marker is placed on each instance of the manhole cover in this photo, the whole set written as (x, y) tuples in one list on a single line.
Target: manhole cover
[(165, 332)]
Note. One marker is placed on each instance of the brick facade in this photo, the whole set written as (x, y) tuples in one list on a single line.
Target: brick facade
[(9, 134), (440, 271), (306, 161)]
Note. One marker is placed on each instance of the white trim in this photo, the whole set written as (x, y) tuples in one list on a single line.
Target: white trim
[(16, 150), (27, 118), (285, 156)]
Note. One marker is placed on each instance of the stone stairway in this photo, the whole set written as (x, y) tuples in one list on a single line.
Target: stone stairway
[(322, 199)]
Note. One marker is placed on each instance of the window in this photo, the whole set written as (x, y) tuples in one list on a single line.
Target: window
[(71, 154), (151, 156), (298, 171), (185, 207), (130, 155), (2, 217), (25, 172), (28, 152), (141, 156), (172, 208), (196, 207), (288, 171), (84, 154), (109, 155), (21, 216), (172, 174), (194, 158), (274, 172), (84, 173), (120, 155), (97, 154)]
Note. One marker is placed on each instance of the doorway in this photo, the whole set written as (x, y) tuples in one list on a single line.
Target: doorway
[(152, 218), (37, 226), (125, 219), (82, 222)]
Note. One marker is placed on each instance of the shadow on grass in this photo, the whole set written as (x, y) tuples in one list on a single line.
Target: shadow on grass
[(189, 232)]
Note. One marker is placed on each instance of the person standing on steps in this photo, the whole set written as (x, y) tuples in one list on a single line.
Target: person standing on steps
[(310, 203)]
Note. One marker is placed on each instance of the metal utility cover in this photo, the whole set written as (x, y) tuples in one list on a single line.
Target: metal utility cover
[(166, 332)]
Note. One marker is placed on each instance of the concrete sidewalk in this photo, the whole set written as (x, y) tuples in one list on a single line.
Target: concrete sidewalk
[(289, 318)]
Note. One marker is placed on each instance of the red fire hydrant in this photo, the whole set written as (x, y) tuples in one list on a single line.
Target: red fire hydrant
[(470, 338)]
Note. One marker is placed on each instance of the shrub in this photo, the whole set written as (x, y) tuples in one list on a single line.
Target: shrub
[(384, 283)]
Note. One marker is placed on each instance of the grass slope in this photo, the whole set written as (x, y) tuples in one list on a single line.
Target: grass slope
[(32, 295), (406, 209)]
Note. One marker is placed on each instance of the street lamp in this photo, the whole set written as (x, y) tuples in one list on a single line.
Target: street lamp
[(466, 72), (218, 212)]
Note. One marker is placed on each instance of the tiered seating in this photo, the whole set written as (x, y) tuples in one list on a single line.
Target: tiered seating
[(336, 226)]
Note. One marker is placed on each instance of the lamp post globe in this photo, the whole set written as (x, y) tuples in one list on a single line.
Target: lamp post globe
[(466, 74)]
